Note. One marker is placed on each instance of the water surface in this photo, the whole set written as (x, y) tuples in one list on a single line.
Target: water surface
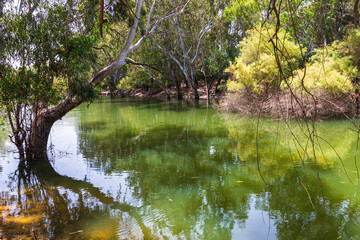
[(147, 169)]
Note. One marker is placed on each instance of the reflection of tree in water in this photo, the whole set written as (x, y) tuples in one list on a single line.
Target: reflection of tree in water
[(51, 206), (336, 218), (200, 178)]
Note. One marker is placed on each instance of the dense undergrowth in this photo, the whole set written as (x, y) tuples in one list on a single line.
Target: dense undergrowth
[(321, 82)]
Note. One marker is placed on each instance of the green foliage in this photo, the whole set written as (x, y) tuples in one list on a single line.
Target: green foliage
[(329, 70), (317, 23), (256, 68), (134, 78), (46, 57), (243, 14), (351, 46), (218, 61)]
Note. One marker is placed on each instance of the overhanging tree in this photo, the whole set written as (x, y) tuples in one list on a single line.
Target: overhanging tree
[(46, 64)]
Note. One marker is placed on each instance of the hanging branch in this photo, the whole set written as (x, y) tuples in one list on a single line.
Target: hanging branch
[(101, 17), (103, 20)]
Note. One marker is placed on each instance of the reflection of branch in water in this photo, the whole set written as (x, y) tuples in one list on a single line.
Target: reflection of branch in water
[(42, 177)]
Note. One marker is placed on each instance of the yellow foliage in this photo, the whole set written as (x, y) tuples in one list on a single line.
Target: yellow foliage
[(256, 67), (326, 71)]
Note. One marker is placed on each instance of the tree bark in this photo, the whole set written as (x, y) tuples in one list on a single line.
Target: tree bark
[(356, 13), (178, 85), (40, 128), (196, 94), (37, 146)]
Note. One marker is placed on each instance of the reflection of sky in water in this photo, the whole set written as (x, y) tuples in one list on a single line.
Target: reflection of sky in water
[(257, 221), (70, 162), (8, 165)]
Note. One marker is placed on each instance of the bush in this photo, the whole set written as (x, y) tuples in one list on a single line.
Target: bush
[(351, 47), (329, 69), (256, 68)]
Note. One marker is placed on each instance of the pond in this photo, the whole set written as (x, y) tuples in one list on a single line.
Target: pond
[(147, 169)]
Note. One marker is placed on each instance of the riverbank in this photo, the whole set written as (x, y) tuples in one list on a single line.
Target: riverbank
[(284, 104), (280, 105), (186, 92)]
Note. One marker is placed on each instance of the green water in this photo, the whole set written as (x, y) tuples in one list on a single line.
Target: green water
[(140, 169)]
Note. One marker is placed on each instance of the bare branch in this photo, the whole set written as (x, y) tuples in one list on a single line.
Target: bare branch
[(205, 30), (131, 61), (138, 43), (148, 20)]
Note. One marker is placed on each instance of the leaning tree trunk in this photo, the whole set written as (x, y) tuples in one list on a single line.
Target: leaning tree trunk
[(37, 143), (36, 147)]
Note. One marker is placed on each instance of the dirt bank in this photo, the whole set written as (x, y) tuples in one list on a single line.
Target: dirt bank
[(289, 105)]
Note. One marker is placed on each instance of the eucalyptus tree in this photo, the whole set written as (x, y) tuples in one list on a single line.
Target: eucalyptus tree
[(47, 62), (181, 39)]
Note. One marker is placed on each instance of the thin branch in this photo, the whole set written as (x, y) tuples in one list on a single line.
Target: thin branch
[(143, 65), (137, 44), (131, 61), (149, 17), (205, 30)]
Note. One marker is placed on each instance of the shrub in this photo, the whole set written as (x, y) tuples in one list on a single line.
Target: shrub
[(329, 70), (351, 46), (256, 68)]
